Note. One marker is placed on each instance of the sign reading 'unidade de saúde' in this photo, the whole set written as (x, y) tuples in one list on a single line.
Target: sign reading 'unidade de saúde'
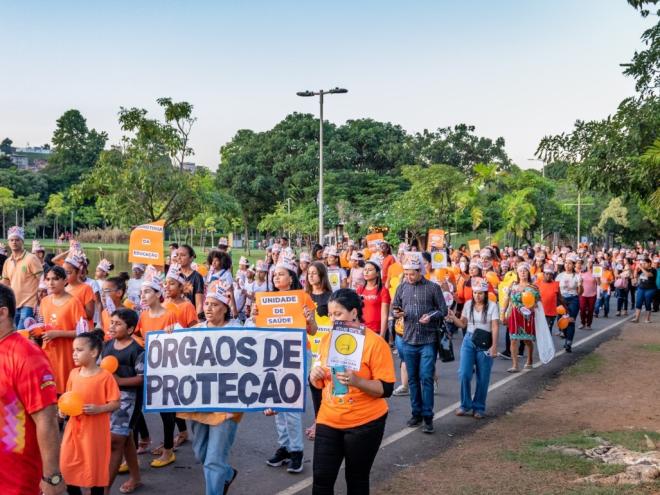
[(225, 369), (281, 309)]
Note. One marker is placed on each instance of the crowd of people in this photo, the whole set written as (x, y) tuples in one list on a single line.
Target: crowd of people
[(57, 324)]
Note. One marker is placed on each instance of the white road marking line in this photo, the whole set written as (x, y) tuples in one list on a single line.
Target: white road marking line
[(302, 484)]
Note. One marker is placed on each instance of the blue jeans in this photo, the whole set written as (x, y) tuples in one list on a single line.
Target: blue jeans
[(603, 302), (573, 308), (644, 298), (420, 364), (472, 358), (211, 445), (21, 315), (289, 428)]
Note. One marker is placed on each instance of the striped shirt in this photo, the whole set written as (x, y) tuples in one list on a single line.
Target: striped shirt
[(416, 300)]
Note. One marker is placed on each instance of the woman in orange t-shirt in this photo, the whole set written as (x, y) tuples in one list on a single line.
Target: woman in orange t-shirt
[(157, 317), (176, 300), (61, 312), (80, 290), (350, 425), (85, 454)]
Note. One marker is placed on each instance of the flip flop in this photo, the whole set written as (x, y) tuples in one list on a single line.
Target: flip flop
[(158, 450), (513, 370), (143, 447), (180, 440), (128, 487)]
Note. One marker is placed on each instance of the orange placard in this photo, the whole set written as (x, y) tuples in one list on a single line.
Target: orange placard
[(475, 246), (146, 244), (281, 309), (373, 240), (435, 240)]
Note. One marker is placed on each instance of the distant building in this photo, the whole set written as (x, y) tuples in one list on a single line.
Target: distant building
[(189, 167), (33, 158)]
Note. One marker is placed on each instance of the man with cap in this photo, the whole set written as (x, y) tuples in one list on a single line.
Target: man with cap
[(22, 272), (422, 305), (223, 244)]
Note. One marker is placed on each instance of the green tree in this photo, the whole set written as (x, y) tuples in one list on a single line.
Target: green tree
[(57, 207), (6, 146), (76, 149), (7, 202), (519, 213), (460, 147)]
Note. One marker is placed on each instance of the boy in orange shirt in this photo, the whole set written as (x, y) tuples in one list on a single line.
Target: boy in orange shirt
[(550, 295), (604, 290)]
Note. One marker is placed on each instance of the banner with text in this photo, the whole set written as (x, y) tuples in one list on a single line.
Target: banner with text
[(146, 244), (225, 369)]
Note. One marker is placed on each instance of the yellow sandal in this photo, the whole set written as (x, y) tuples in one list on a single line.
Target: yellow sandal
[(159, 463)]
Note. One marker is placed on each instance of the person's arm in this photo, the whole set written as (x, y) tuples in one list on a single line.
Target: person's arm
[(48, 439), (373, 388), (459, 322), (92, 409), (131, 381), (199, 303), (89, 309), (60, 257), (384, 313), (312, 327), (495, 332), (58, 334)]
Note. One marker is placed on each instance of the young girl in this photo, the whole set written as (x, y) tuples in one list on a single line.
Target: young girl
[(61, 312), (129, 378), (176, 300), (73, 265), (214, 433), (85, 453), (157, 317), (356, 276), (113, 292)]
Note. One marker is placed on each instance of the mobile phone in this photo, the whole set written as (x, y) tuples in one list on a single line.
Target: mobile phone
[(337, 387)]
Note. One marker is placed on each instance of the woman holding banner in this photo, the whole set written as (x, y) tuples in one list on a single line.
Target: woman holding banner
[(289, 424), (350, 426), (214, 433), (156, 317)]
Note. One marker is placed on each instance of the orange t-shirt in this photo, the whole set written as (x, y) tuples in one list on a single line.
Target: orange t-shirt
[(85, 453), (549, 292), (84, 294), (148, 323), (606, 279), (356, 407), (394, 269), (60, 350), (185, 312), (23, 276)]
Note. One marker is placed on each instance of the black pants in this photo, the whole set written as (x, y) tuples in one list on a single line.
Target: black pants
[(76, 490), (181, 425), (140, 430), (169, 420), (357, 446), (317, 398)]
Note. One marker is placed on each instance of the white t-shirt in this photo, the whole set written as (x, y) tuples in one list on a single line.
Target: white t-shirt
[(476, 320), (568, 283)]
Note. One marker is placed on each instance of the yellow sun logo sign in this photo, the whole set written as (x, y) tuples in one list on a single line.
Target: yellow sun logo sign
[(346, 344)]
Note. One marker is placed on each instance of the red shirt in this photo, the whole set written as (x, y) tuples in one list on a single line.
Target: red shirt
[(371, 306), (549, 292), (27, 385)]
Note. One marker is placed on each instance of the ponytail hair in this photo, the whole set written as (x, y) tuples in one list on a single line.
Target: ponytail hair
[(94, 339)]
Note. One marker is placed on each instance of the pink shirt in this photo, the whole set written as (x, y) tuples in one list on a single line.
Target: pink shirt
[(589, 284)]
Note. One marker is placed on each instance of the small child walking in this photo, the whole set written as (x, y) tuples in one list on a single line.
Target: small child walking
[(85, 452)]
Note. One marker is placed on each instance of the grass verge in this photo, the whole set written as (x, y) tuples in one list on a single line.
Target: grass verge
[(588, 364)]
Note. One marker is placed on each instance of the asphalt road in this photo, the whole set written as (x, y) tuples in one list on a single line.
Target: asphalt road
[(402, 447)]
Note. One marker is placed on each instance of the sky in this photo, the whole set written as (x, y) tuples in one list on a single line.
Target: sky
[(517, 69)]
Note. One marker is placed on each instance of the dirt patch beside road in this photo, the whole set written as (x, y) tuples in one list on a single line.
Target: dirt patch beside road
[(615, 389)]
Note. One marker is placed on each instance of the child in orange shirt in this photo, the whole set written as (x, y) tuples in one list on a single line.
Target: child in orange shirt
[(175, 299), (61, 312), (73, 265), (604, 290), (85, 453), (156, 317), (113, 291)]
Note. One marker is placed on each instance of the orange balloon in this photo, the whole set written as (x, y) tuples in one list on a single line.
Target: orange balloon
[(493, 279), (70, 404), (562, 323), (24, 333), (528, 299), (203, 270), (561, 310), (109, 364), (492, 297)]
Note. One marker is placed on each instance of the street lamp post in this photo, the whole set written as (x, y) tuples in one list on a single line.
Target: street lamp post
[(320, 94)]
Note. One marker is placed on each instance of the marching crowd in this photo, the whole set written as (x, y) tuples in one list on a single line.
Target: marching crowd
[(58, 326)]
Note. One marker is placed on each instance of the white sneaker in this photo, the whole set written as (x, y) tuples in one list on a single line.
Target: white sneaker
[(400, 390)]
